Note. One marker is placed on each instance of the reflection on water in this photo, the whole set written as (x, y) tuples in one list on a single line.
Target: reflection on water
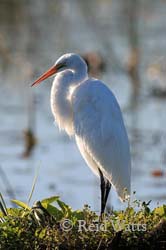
[(32, 36)]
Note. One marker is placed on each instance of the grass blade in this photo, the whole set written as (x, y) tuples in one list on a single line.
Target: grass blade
[(21, 204), (3, 205), (2, 209), (34, 183), (5, 180)]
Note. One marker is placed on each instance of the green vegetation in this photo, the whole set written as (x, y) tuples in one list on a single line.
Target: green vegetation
[(52, 224)]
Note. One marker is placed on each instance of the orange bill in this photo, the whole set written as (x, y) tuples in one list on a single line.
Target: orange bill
[(47, 74)]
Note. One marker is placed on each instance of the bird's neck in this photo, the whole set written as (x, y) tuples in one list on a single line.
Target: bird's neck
[(61, 94)]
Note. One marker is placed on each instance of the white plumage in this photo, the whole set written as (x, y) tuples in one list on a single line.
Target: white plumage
[(86, 109), (100, 133)]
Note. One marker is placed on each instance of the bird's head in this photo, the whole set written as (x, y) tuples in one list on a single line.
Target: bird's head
[(70, 61)]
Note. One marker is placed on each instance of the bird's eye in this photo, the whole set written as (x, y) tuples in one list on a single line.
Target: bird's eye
[(61, 65)]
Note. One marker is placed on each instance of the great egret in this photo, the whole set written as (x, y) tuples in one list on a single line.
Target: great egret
[(87, 109)]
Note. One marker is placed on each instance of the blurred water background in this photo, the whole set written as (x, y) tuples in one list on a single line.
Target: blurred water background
[(131, 38)]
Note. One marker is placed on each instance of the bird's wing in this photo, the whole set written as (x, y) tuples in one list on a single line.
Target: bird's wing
[(100, 133)]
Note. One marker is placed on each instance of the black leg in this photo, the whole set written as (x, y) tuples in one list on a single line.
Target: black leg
[(103, 188), (108, 188)]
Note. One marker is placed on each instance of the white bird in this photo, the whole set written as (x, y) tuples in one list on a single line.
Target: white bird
[(87, 110)]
